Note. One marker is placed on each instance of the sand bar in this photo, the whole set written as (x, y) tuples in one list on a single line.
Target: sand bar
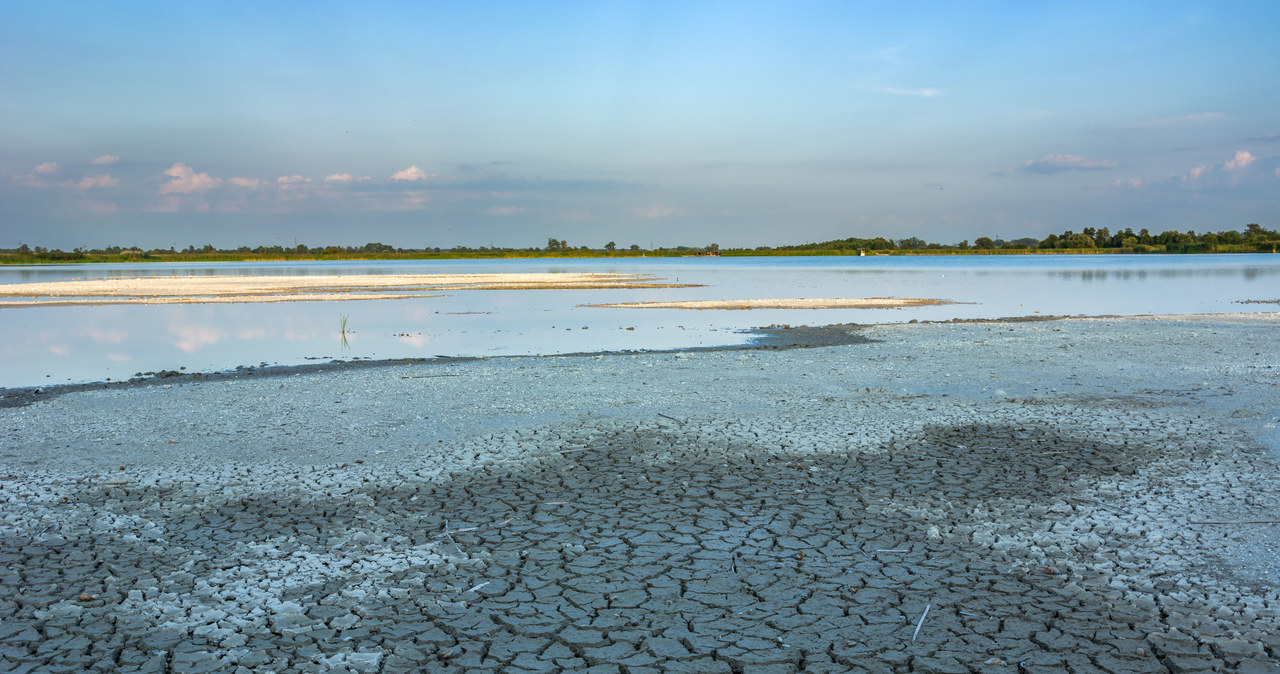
[(224, 289), (828, 303)]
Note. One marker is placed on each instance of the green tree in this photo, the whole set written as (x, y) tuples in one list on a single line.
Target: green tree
[(1076, 241), (984, 243), (611, 246), (1255, 232), (1101, 237)]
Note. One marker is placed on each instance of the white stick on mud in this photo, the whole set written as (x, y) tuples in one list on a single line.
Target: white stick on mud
[(921, 622)]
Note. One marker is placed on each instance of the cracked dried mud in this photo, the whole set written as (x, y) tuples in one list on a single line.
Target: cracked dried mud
[(1055, 510)]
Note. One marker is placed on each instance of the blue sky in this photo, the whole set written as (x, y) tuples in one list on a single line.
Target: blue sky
[(742, 123)]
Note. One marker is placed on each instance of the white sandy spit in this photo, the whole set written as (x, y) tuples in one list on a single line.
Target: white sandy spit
[(793, 303), (206, 289)]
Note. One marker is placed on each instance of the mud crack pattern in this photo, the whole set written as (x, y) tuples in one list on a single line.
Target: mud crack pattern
[(1043, 534)]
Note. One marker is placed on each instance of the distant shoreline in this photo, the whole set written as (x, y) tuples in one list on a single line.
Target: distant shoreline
[(180, 257)]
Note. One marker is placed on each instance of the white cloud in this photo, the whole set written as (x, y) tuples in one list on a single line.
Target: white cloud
[(34, 179), (192, 338), (411, 173), (90, 182), (170, 204), (927, 93), (248, 183), (658, 211), (1131, 183), (504, 210), (100, 206), (107, 336), (1242, 160), (1056, 163), (294, 187), (413, 340), (885, 55), (412, 201), (105, 159), (184, 180), (347, 177), (1183, 120), (1244, 170)]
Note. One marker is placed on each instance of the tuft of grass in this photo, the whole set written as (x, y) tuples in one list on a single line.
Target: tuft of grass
[(342, 329)]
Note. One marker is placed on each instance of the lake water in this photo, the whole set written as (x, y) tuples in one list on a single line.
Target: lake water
[(47, 345)]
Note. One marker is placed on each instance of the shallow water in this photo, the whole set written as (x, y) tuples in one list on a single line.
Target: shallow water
[(74, 344)]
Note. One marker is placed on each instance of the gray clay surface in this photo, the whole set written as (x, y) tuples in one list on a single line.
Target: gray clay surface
[(1065, 496)]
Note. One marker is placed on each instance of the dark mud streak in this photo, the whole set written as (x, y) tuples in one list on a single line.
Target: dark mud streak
[(766, 338)]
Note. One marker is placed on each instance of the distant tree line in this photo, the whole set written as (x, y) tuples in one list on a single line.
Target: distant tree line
[(1253, 238), (1103, 238)]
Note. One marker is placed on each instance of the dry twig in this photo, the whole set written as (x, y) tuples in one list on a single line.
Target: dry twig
[(921, 622), (1237, 522)]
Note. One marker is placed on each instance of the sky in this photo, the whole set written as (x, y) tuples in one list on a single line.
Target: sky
[(434, 124)]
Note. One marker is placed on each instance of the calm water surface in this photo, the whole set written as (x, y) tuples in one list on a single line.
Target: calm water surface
[(73, 344)]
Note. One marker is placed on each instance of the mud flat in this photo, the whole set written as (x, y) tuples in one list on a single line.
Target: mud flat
[(1078, 495)]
